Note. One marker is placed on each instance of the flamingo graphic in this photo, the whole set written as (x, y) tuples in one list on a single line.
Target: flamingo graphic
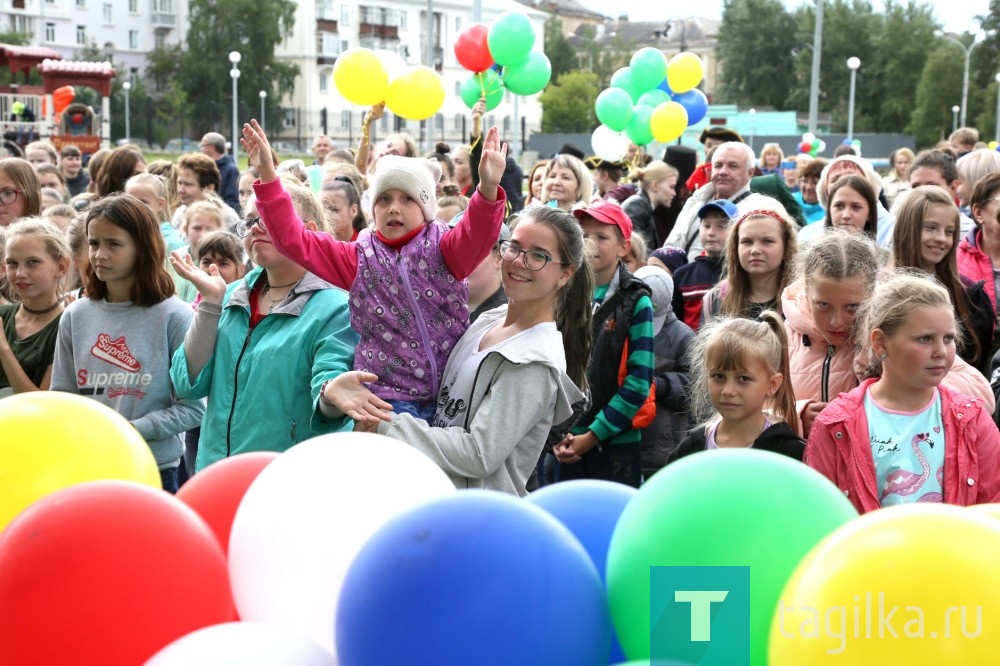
[(904, 482), (935, 497)]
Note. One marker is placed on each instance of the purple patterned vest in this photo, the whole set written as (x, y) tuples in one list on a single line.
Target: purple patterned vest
[(409, 311)]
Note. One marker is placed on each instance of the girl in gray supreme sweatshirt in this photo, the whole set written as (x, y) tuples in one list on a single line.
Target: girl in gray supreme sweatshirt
[(115, 345)]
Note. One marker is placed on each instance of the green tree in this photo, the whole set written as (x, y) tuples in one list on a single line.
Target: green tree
[(756, 41), (940, 88), (560, 52), (568, 104), (847, 32), (893, 69), (253, 28)]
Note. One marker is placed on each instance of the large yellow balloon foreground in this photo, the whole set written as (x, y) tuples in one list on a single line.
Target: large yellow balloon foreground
[(916, 584), (51, 440)]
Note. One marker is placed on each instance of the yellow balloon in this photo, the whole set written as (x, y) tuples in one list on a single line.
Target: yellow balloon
[(668, 121), (993, 145), (916, 584), (51, 440), (685, 71), (361, 77), (416, 95)]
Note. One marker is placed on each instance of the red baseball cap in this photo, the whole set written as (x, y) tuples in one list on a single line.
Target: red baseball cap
[(608, 213)]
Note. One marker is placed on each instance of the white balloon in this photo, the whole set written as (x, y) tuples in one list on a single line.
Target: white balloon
[(392, 62), (808, 137), (243, 644), (306, 516), (609, 144), (822, 146)]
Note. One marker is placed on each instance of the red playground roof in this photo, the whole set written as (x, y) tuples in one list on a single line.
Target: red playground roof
[(25, 58), (58, 73)]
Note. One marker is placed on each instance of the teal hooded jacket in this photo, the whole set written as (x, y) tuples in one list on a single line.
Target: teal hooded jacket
[(263, 385)]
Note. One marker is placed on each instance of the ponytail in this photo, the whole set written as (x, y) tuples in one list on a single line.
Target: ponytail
[(574, 317), (783, 401)]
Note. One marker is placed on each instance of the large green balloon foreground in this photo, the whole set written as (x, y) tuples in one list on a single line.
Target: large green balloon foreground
[(742, 508), (51, 440)]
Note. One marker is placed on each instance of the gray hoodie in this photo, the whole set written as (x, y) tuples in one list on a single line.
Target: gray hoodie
[(519, 393)]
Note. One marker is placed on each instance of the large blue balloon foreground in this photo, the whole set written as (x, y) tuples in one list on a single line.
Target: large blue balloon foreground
[(473, 578)]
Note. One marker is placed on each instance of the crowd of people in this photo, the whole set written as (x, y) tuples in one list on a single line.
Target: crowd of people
[(581, 318)]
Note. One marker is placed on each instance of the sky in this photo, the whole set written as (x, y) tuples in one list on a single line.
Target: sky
[(958, 18)]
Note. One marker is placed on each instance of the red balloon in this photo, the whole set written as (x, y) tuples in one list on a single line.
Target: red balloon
[(62, 97), (216, 491), (805, 147), (107, 572), (471, 49)]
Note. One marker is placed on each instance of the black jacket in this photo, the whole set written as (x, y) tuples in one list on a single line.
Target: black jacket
[(779, 438)]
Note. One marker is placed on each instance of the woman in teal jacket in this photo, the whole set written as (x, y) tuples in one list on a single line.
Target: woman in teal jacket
[(262, 348)]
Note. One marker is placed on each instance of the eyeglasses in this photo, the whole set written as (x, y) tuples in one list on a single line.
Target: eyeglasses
[(9, 196), (244, 226), (534, 260)]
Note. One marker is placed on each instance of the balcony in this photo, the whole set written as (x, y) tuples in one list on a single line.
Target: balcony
[(161, 20), (328, 47), (378, 22)]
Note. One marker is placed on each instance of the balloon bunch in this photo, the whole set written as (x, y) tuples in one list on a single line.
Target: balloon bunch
[(853, 143), (367, 77), (649, 100), (501, 58), (812, 146)]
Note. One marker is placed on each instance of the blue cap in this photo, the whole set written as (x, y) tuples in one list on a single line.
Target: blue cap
[(724, 206)]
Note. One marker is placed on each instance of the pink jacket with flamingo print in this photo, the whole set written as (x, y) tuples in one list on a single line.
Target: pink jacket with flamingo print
[(840, 449)]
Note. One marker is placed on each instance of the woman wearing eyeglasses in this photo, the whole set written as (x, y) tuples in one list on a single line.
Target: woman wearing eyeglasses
[(20, 196), (516, 372), (261, 348)]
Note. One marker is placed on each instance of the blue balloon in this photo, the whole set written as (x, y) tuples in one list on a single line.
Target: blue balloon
[(590, 509), (665, 87), (695, 102), (476, 577), (845, 142)]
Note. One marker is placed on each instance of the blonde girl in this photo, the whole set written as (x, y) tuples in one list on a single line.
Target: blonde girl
[(771, 157), (759, 254), (739, 385), (657, 187), (903, 437), (37, 260)]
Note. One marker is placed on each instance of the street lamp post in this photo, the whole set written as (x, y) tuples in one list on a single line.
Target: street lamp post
[(965, 75), (996, 135), (234, 59), (128, 128), (954, 117), (817, 48), (852, 64), (263, 98)]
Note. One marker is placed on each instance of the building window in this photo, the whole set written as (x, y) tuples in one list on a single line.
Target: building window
[(345, 119), (81, 34), (439, 121), (133, 6), (458, 121), (159, 39), (133, 39), (345, 15), (25, 24), (402, 20), (288, 117), (324, 81), (108, 13), (458, 88), (81, 3), (385, 121), (50, 32), (458, 24)]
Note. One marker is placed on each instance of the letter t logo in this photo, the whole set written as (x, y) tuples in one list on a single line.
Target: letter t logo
[(701, 610)]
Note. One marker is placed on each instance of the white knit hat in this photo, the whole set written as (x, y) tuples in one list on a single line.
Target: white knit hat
[(416, 176), (823, 193)]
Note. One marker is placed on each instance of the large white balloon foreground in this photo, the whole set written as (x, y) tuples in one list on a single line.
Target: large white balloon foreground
[(307, 515), (243, 644)]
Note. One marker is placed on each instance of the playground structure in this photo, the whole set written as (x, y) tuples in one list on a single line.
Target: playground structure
[(47, 112)]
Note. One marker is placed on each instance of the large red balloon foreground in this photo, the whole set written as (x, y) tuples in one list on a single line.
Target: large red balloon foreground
[(107, 572), (216, 491)]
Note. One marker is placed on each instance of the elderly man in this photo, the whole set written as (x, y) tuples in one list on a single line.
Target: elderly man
[(213, 144), (322, 146), (732, 166)]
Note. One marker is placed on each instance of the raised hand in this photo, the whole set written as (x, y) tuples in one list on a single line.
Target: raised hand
[(211, 285), (258, 150), (348, 393), (492, 164)]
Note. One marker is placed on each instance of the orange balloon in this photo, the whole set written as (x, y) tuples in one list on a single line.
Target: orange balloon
[(63, 97)]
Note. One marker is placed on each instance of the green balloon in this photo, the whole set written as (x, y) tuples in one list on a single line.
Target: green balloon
[(510, 39), (530, 77), (720, 508), (623, 79), (649, 68), (614, 108), (638, 129), (653, 98), (486, 84)]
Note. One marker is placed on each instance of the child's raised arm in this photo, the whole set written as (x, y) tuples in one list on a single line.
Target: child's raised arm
[(492, 164), (258, 149)]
